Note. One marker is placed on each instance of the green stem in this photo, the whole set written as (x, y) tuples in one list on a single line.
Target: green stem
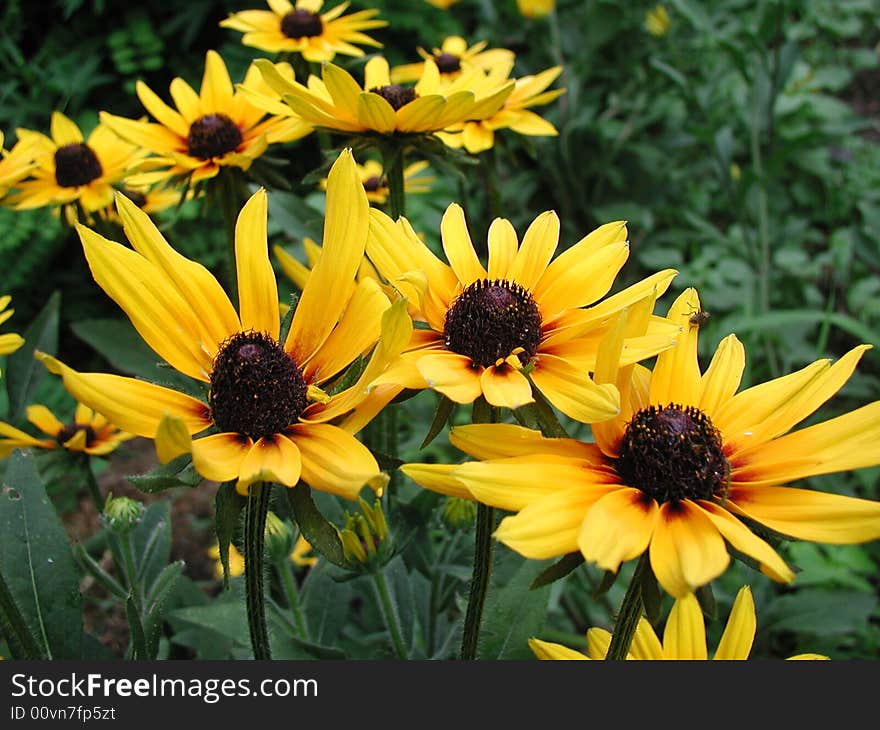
[(134, 585), (232, 192), (392, 167), (629, 614), (390, 614), (256, 509), (288, 582), (479, 581), (92, 485), (15, 630)]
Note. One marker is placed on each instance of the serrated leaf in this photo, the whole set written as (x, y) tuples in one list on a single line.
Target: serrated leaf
[(561, 568), (23, 371), (178, 472), (37, 563), (315, 528)]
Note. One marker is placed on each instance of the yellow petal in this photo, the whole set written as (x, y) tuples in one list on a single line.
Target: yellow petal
[(335, 461), (498, 440), (44, 420), (77, 442), (739, 634), (345, 233), (172, 438), (377, 73), (216, 90), (161, 112), (573, 392), (645, 644), (257, 288), (549, 650), (723, 376), (295, 271), (686, 551), (502, 248), (376, 114), (438, 478), (505, 387), (421, 114), (451, 374), (676, 376), (131, 405), (458, 247), (618, 527), (218, 457), (808, 515), (538, 246), (186, 100), (64, 131), (272, 459), (684, 637)]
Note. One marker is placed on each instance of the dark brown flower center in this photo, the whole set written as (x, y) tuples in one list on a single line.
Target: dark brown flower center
[(672, 453), (447, 63), (72, 429), (256, 388), (211, 136), (492, 318), (302, 24), (373, 183), (395, 94), (76, 164)]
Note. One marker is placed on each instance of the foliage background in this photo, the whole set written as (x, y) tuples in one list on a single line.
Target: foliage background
[(741, 147)]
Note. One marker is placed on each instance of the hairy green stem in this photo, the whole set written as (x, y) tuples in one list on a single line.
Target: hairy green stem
[(288, 582), (479, 581), (256, 509), (390, 614), (392, 167), (629, 614)]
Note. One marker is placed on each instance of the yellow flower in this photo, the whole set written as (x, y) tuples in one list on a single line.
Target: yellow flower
[(10, 341), (683, 471), (236, 561), (15, 164), (476, 135), (337, 102), (208, 130), (518, 325), (536, 8), (376, 185), (89, 433), (301, 28), (299, 273), (451, 57), (657, 21), (265, 417), (684, 637), (72, 169)]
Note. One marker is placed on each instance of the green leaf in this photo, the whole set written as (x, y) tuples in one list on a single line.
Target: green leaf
[(178, 472), (156, 599), (315, 528), (94, 568), (228, 504), (442, 416), (136, 631), (23, 371), (14, 629), (326, 603), (819, 612), (782, 319), (151, 541), (37, 563), (558, 570)]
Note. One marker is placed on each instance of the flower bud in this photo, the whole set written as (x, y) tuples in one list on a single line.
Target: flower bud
[(122, 513)]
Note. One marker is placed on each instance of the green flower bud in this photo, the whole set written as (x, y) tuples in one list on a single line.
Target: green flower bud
[(458, 513), (364, 538), (279, 537), (122, 513)]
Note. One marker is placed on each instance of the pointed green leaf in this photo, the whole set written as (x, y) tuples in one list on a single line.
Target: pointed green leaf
[(228, 505), (322, 535), (558, 570)]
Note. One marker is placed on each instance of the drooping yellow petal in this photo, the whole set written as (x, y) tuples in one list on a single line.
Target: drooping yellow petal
[(538, 246), (438, 478), (739, 634), (499, 440), (44, 420), (645, 644), (684, 637), (617, 528), (458, 246), (172, 438), (131, 405), (218, 457), (549, 650), (686, 551), (451, 374), (573, 392), (374, 113), (257, 288), (808, 515), (676, 376), (272, 459), (335, 461), (505, 387), (346, 224)]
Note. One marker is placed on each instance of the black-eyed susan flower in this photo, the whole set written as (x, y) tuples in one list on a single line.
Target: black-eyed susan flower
[(686, 468), (214, 128), (375, 181), (452, 56), (15, 164), (337, 102), (89, 433), (302, 28), (70, 168), (684, 636), (477, 135), (9, 341), (264, 416), (518, 324)]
